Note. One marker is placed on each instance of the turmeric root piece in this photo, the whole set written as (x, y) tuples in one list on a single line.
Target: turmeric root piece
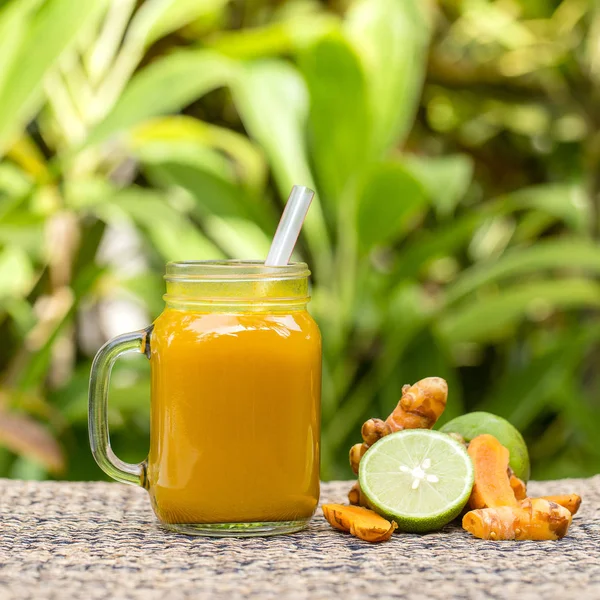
[(534, 519), (373, 430), (571, 502), (518, 487), (356, 453), (420, 407), (356, 496), (492, 487), (360, 522)]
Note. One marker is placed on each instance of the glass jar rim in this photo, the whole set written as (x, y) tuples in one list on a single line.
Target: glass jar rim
[(232, 270)]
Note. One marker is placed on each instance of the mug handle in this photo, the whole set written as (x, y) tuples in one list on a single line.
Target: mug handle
[(138, 342)]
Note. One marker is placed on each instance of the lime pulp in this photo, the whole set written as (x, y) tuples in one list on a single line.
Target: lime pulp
[(422, 479)]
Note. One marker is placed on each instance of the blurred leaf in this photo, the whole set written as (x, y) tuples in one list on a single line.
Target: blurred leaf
[(38, 360), (28, 470), (25, 153), (445, 178), (148, 288), (22, 314), (273, 103), (23, 230), (339, 123), (161, 17), (189, 155), (407, 314), (213, 193), (15, 19), (568, 203), (16, 272), (166, 85), (39, 48), (13, 182), (492, 317), (391, 36), (440, 242), (532, 226), (277, 38), (522, 393), (247, 158), (173, 235), (240, 238), (423, 356), (22, 435), (129, 392), (570, 254), (389, 198)]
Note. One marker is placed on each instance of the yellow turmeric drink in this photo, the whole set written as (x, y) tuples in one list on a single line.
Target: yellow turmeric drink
[(236, 385), (235, 417)]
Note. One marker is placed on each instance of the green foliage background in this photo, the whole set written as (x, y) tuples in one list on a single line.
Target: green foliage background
[(454, 146)]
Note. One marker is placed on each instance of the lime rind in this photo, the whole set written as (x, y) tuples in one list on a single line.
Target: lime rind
[(471, 425), (386, 476)]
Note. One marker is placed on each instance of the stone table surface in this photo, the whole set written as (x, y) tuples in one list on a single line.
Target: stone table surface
[(101, 540)]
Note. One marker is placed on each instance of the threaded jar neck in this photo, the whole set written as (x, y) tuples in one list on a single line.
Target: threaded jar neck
[(224, 285)]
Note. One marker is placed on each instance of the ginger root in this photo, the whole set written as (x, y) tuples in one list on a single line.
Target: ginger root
[(492, 486), (419, 408), (571, 502), (360, 522), (534, 519)]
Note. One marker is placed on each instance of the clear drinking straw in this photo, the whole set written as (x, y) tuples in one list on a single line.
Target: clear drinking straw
[(289, 226)]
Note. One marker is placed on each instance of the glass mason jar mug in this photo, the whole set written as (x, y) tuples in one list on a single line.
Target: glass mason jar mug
[(235, 409)]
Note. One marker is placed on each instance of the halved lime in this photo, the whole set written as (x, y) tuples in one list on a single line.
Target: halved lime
[(421, 479), (477, 423)]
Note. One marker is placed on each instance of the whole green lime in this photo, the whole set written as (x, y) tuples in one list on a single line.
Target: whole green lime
[(473, 424)]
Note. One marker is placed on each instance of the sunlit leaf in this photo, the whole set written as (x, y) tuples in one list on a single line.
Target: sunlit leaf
[(166, 85), (391, 36), (15, 19), (273, 103), (286, 35), (16, 272), (339, 119), (240, 238), (25, 153), (165, 16), (182, 131), (39, 48), (13, 182)]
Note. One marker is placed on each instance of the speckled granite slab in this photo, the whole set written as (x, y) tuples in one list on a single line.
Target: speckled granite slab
[(101, 540)]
